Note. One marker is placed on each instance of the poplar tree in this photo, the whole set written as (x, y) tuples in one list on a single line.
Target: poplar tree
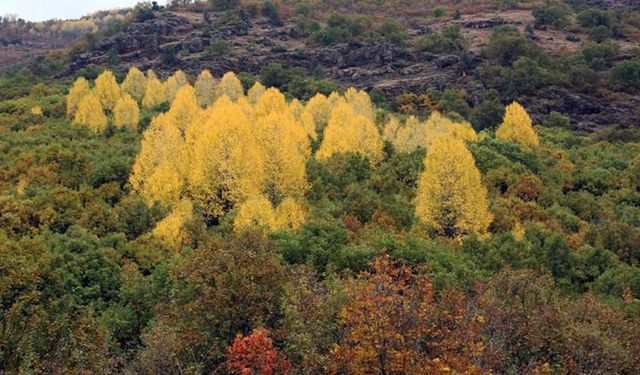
[(135, 84), (91, 114), (231, 86), (517, 127), (184, 108), (255, 92), (157, 171), (255, 212), (107, 90), (126, 113), (206, 89), (450, 197), (154, 93), (78, 91), (225, 163), (350, 132)]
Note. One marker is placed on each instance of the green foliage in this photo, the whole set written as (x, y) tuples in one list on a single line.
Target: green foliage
[(553, 13), (507, 45), (449, 40), (626, 76), (393, 33), (219, 48), (340, 29)]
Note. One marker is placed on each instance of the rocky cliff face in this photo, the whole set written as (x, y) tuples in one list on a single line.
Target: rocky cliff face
[(366, 65)]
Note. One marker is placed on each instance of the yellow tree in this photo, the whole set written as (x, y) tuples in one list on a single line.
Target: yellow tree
[(360, 102), (91, 114), (255, 92), (171, 228), (107, 90), (450, 195), (184, 108), (416, 134), (206, 89), (157, 171), (171, 87), (517, 127), (280, 140), (350, 132), (315, 115), (225, 163), (255, 212), (290, 215), (126, 113), (154, 92), (78, 91), (231, 86), (135, 84)]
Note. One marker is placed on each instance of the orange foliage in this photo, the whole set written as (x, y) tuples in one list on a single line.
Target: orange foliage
[(255, 355)]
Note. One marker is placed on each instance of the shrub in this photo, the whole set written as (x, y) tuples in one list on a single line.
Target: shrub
[(450, 40), (224, 4), (219, 48), (584, 79), (393, 33), (557, 119), (507, 45), (270, 11), (626, 76), (600, 33), (599, 56), (552, 13)]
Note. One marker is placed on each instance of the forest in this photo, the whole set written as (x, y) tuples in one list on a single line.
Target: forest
[(277, 224)]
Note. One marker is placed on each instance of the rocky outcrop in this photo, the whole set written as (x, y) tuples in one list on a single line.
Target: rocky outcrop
[(365, 65)]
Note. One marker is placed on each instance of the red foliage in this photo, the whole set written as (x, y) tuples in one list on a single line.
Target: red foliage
[(256, 355)]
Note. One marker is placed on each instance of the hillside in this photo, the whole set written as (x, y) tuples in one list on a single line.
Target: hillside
[(302, 187)]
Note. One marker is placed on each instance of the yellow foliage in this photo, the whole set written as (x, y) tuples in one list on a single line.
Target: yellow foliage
[(154, 93), (171, 228), (107, 90), (78, 91), (450, 196), (315, 115), (255, 212), (271, 101), (225, 163), (90, 113), (126, 113), (517, 127), (360, 102), (416, 134), (184, 108), (181, 78), (290, 215), (231, 86), (255, 92), (283, 144), (390, 130), (135, 84), (36, 110), (156, 173), (171, 87), (350, 132), (206, 89)]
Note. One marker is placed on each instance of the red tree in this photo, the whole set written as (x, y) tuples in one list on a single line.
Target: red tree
[(256, 355)]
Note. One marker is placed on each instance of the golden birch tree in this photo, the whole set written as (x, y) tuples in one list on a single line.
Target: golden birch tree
[(517, 127), (91, 114), (126, 113), (231, 86), (206, 89), (107, 90), (78, 91), (135, 84)]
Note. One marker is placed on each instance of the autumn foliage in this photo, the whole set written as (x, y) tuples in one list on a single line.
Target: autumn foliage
[(396, 325), (256, 355)]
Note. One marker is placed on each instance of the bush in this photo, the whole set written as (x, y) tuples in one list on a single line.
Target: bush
[(584, 79), (626, 76), (507, 45), (600, 33), (489, 113), (557, 119), (340, 29), (393, 33), (224, 4), (169, 56), (599, 56), (219, 48), (270, 11), (594, 17), (552, 13), (450, 40)]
